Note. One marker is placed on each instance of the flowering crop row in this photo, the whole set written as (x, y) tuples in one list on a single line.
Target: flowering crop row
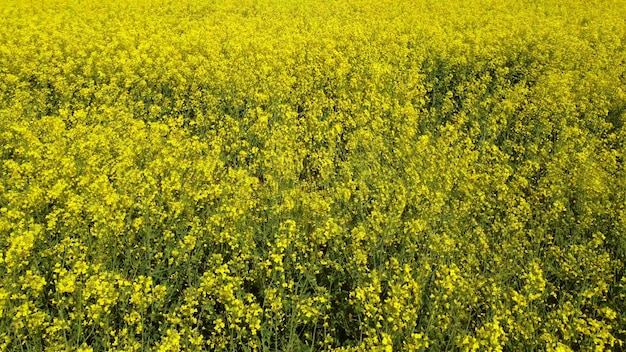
[(312, 175)]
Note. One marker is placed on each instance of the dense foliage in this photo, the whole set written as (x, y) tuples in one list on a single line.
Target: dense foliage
[(312, 175)]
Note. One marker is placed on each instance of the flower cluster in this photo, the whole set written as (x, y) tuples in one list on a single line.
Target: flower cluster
[(312, 175)]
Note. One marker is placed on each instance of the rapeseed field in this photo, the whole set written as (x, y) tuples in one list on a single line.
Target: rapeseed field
[(308, 175)]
